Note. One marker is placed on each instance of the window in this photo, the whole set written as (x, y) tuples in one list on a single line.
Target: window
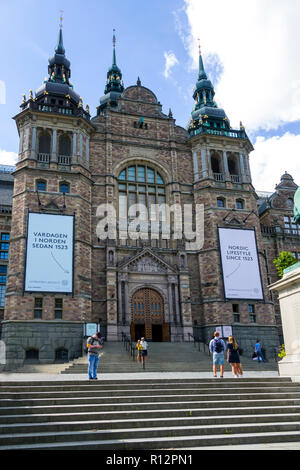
[(44, 143), (296, 255), (41, 185), (4, 246), (64, 187), (32, 355), (64, 147), (240, 204), (251, 309), (38, 308), (290, 226), (235, 308), (3, 273), (220, 202), (252, 318), (236, 318), (140, 184), (58, 311)]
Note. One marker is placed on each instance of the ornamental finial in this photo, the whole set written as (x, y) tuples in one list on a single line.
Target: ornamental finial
[(61, 19)]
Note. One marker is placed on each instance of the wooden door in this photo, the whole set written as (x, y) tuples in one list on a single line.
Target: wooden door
[(147, 306)]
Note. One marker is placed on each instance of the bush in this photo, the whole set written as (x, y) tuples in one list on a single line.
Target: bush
[(284, 260)]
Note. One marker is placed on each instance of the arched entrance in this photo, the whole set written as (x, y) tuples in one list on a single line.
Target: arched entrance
[(147, 316)]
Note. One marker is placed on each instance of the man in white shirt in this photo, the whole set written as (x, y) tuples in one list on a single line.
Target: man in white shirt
[(144, 345)]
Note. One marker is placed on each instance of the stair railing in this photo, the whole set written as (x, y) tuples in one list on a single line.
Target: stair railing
[(129, 345), (199, 344)]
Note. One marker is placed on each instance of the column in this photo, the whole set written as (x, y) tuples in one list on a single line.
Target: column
[(242, 168), (21, 142), (248, 171), (210, 173), (225, 164), (74, 156), (54, 145), (33, 143), (80, 146), (204, 164), (195, 163), (87, 150)]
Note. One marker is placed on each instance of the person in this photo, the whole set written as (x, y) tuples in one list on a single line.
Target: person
[(233, 357), (94, 344), (144, 345), (139, 351), (258, 351), (217, 347)]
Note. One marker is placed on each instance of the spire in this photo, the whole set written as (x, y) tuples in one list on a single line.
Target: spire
[(60, 45), (114, 81), (206, 113), (114, 62), (202, 75)]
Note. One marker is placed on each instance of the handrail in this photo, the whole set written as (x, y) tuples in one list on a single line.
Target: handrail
[(129, 345), (197, 341)]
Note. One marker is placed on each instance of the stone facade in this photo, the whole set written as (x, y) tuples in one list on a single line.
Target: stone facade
[(182, 289)]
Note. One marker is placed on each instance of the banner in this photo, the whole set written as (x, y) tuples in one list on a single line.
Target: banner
[(240, 264), (49, 255)]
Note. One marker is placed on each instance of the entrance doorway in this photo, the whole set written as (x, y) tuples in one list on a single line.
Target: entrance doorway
[(147, 316)]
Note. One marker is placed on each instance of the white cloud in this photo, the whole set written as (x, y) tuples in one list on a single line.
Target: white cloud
[(8, 158), (273, 157), (258, 44), (171, 61), (2, 92)]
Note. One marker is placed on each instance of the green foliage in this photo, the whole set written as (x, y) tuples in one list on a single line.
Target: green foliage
[(284, 260), (282, 352)]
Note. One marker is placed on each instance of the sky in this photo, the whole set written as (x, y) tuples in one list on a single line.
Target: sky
[(250, 48)]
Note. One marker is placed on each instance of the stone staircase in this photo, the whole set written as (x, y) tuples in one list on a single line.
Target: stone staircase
[(162, 357), (148, 414)]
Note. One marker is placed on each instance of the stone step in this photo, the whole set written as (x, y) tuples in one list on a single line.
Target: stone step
[(147, 415), (165, 413), (98, 424), (166, 443)]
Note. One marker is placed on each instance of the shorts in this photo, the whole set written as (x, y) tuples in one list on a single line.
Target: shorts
[(144, 352), (218, 359)]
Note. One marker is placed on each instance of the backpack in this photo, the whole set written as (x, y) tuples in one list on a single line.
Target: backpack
[(218, 346), (86, 349)]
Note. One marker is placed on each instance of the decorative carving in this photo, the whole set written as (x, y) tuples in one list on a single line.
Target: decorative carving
[(146, 265)]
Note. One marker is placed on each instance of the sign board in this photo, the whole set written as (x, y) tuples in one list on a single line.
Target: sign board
[(224, 331), (49, 253), (240, 264)]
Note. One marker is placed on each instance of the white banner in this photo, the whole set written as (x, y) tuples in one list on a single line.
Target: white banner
[(240, 264), (49, 257)]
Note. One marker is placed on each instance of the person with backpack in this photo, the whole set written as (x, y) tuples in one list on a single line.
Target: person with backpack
[(217, 348), (94, 344)]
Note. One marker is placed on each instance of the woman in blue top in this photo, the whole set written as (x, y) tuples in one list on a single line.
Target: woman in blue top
[(233, 357)]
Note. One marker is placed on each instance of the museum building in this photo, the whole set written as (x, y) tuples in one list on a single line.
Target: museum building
[(62, 266)]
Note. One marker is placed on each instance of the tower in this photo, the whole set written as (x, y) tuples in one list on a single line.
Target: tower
[(52, 177), (222, 182)]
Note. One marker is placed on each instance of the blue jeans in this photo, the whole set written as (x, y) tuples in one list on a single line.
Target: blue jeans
[(93, 365), (260, 356)]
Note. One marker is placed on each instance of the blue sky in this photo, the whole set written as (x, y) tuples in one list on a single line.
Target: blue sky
[(252, 57)]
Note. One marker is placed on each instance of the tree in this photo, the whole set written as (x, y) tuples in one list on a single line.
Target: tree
[(284, 260)]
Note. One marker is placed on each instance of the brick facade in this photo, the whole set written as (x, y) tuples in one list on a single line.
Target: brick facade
[(108, 273)]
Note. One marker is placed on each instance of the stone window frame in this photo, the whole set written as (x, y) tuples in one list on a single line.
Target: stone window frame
[(221, 200), (38, 181)]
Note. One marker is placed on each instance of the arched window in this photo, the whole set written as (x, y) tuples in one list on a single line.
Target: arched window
[(44, 143), (64, 147), (140, 184)]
